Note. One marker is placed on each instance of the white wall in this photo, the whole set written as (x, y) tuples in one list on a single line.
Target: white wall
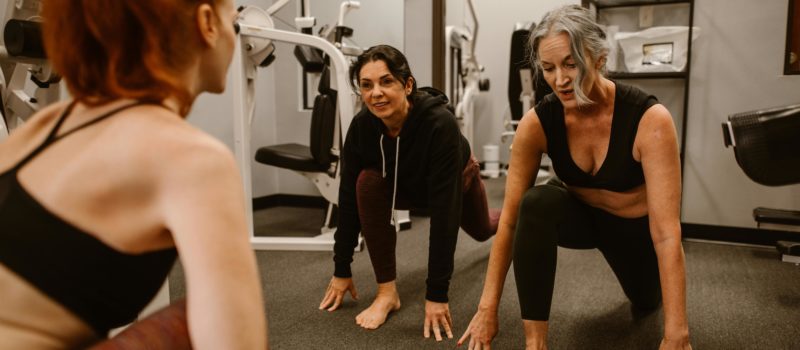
[(418, 40), (493, 47), (737, 67)]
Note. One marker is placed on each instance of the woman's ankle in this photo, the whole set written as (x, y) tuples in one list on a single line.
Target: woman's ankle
[(387, 288), (535, 334)]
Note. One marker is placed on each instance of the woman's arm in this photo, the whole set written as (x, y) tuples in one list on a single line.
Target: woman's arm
[(657, 146), (444, 182), (526, 155), (202, 200), (349, 225)]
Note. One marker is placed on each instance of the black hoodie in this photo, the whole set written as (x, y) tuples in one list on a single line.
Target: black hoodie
[(432, 157)]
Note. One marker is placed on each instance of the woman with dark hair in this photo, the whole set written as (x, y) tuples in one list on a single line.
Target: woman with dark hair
[(404, 150), (614, 147), (99, 194)]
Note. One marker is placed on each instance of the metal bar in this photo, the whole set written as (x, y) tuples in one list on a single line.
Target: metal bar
[(686, 86), (243, 110)]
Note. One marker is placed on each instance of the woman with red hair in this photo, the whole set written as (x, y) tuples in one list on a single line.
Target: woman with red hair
[(99, 194)]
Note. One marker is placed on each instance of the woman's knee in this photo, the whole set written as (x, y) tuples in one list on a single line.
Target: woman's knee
[(540, 211), (373, 198), (369, 179), (371, 187), (545, 201)]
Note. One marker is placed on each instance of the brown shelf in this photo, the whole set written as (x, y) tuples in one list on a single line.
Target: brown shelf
[(604, 4), (652, 75)]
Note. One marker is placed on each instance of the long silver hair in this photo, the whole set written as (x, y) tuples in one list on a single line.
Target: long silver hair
[(585, 36)]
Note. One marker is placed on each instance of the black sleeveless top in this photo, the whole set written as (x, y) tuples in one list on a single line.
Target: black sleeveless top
[(619, 171), (104, 287)]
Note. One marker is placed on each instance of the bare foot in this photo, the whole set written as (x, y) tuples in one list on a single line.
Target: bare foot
[(386, 301)]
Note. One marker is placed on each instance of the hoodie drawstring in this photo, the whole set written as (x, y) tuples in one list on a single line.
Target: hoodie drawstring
[(383, 159), (393, 220)]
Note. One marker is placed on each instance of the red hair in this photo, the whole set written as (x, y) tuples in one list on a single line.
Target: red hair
[(111, 49)]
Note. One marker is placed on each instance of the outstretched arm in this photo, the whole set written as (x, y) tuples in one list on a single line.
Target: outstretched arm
[(656, 143), (346, 236), (526, 155), (202, 199)]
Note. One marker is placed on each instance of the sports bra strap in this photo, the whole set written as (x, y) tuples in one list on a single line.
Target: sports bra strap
[(60, 121), (52, 137)]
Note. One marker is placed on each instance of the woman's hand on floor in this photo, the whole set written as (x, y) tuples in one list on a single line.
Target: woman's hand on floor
[(336, 291), (437, 316), (481, 330)]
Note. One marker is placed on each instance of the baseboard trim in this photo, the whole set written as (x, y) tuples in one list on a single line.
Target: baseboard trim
[(752, 236), (289, 200)]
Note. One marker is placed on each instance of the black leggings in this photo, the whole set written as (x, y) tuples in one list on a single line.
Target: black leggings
[(549, 216)]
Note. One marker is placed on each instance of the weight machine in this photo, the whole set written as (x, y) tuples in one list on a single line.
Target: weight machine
[(332, 113), (27, 81)]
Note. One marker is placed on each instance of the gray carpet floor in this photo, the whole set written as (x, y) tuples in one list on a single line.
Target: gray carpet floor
[(737, 297)]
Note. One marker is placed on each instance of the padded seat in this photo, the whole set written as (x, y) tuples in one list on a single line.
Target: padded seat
[(765, 144), (290, 156), (776, 216), (317, 156)]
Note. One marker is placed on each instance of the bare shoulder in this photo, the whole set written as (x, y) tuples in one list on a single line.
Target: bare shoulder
[(656, 133), (44, 118), (27, 136), (170, 143), (530, 133), (49, 113), (177, 131), (656, 118), (530, 119)]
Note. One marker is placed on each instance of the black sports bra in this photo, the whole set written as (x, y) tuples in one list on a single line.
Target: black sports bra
[(619, 171), (104, 287)]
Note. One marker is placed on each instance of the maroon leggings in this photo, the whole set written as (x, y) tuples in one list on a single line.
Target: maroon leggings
[(165, 329), (374, 198)]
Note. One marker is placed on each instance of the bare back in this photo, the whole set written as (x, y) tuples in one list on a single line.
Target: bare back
[(104, 180), (100, 179)]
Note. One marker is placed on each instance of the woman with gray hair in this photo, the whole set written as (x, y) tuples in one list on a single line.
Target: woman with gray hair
[(615, 150)]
